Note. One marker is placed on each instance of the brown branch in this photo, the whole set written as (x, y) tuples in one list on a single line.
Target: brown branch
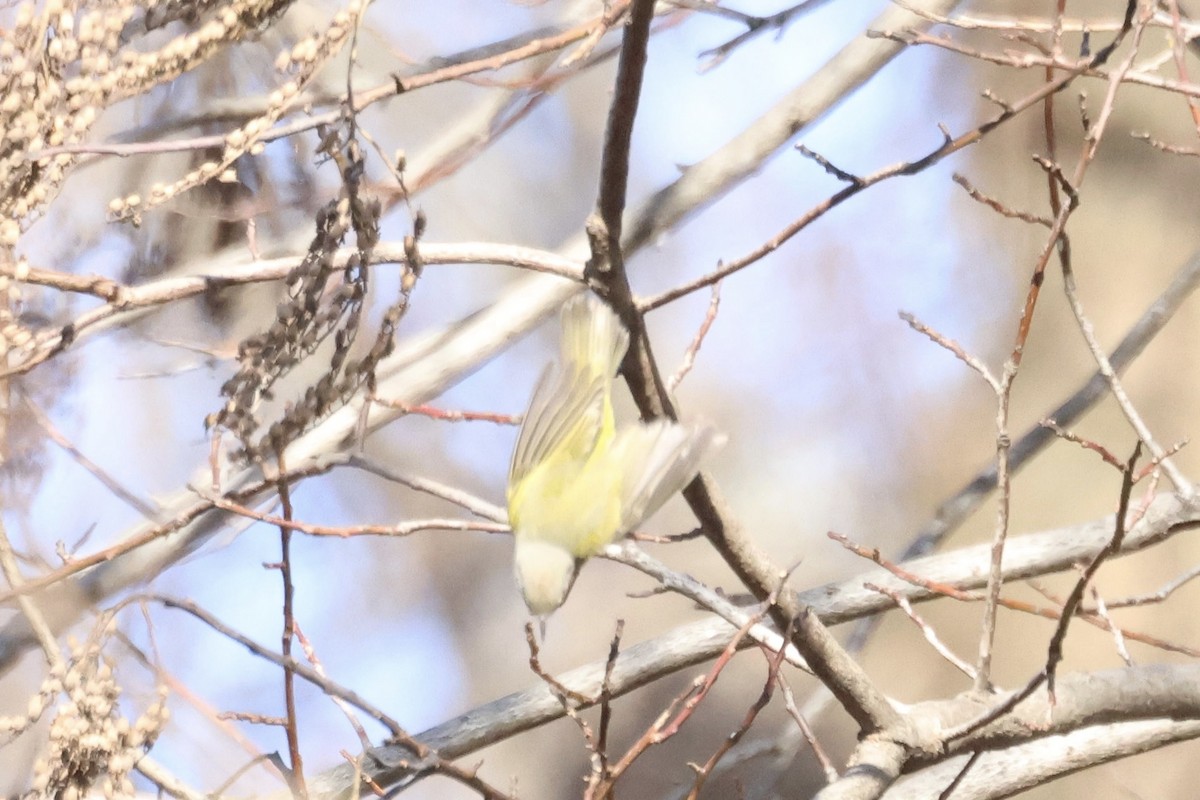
[(137, 300), (950, 145), (774, 662), (606, 269), (601, 770), (646, 662), (966, 501), (605, 224), (954, 592), (360, 100), (1075, 598), (296, 763)]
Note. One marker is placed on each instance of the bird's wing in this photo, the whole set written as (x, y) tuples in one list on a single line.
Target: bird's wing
[(567, 410), (593, 338)]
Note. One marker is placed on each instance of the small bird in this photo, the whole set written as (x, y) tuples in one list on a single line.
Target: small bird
[(577, 482)]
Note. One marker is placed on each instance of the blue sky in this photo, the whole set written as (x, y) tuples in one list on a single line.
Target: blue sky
[(808, 338)]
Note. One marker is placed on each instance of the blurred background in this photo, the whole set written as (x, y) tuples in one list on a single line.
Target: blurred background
[(839, 416)]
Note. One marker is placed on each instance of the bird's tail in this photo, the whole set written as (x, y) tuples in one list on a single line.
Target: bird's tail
[(658, 459)]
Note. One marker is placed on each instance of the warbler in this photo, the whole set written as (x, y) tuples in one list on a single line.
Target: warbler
[(578, 482)]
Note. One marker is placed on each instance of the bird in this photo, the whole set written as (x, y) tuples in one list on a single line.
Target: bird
[(577, 481)]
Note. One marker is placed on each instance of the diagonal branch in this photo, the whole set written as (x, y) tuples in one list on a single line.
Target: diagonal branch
[(695, 643)]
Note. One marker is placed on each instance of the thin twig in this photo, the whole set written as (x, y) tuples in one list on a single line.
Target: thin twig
[(144, 508), (601, 769), (950, 144), (689, 356), (702, 773), (296, 763), (966, 501), (1118, 638), (678, 712), (942, 589), (1075, 598), (445, 415), (789, 702), (476, 505), (29, 608), (346, 531), (1054, 242), (952, 346), (1158, 595), (926, 629)]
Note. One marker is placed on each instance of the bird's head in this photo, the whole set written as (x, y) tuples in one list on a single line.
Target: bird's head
[(545, 573)]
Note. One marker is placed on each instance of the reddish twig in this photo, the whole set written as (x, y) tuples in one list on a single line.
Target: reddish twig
[(296, 780), (931, 636), (347, 531), (1087, 444), (953, 592), (451, 416), (774, 662), (689, 356), (679, 711), (789, 702), (954, 347), (997, 206)]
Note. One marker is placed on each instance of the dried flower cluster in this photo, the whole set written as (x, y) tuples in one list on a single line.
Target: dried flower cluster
[(324, 301), (300, 64), (90, 746), (15, 337), (62, 65)]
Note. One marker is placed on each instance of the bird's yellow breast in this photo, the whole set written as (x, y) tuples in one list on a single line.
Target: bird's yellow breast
[(573, 502)]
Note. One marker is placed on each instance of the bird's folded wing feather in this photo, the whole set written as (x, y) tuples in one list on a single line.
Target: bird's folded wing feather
[(565, 415)]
